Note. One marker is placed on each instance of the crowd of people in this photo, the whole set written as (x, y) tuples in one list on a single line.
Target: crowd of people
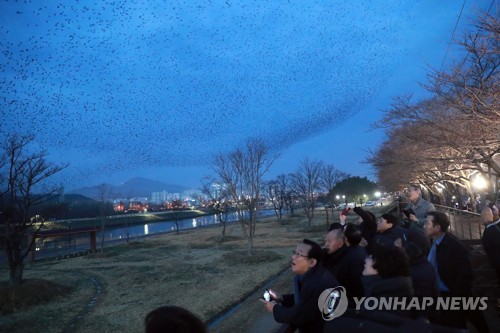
[(378, 258), (412, 257)]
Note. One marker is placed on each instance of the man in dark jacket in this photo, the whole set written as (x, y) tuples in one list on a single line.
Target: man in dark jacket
[(345, 259), (335, 250), (300, 309), (368, 225), (389, 230), (350, 275), (491, 237), (453, 267)]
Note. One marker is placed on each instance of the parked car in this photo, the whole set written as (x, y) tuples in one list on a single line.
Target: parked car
[(370, 203)]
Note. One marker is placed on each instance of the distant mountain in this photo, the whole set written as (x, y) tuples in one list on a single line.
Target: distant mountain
[(135, 187)]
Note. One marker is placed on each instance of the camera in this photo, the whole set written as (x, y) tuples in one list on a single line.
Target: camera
[(408, 212), (267, 296)]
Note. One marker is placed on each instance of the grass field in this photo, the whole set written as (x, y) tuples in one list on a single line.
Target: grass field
[(113, 291)]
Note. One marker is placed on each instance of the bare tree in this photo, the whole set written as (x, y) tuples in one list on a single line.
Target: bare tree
[(330, 176), (306, 183), (453, 134), (241, 172), (104, 195), (22, 173), (279, 189), (290, 195), (219, 200)]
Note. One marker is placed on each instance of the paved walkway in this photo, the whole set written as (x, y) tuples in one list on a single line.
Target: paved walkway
[(250, 315)]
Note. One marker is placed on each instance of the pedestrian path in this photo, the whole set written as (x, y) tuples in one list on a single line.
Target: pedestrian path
[(250, 315)]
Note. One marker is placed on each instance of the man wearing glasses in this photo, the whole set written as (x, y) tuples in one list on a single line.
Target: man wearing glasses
[(300, 309)]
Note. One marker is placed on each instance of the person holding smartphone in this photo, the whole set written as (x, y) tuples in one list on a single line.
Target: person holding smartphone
[(300, 309)]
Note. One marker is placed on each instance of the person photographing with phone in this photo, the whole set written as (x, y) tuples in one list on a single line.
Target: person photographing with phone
[(418, 208), (300, 309)]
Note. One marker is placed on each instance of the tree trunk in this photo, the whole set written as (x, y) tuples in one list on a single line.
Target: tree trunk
[(16, 274), (16, 266), (223, 236), (222, 221), (250, 246), (103, 226), (327, 219)]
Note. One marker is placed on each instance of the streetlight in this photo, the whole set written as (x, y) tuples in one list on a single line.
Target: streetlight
[(479, 182)]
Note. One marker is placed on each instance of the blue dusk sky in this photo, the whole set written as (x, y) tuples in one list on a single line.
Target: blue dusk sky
[(119, 89)]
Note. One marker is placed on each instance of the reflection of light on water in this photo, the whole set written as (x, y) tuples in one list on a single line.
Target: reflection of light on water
[(194, 223), (146, 229)]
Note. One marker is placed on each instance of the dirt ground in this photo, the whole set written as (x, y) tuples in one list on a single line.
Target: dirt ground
[(113, 291)]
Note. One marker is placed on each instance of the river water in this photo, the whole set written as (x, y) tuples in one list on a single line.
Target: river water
[(57, 246)]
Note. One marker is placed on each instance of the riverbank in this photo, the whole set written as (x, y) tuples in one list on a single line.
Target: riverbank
[(192, 269), (114, 290), (125, 219)]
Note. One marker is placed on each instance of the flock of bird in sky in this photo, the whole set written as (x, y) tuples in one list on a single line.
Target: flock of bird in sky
[(118, 86)]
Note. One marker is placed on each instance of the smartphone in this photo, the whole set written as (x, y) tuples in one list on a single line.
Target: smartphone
[(267, 296), (345, 211)]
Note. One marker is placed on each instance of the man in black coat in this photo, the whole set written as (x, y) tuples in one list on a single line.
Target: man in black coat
[(453, 267), (388, 231), (300, 309), (345, 259), (335, 250), (350, 275), (368, 226), (491, 237)]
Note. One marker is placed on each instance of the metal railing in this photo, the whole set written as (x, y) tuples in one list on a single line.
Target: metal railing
[(464, 225)]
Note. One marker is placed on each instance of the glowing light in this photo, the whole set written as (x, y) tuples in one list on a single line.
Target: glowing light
[(479, 182), (146, 229), (378, 194)]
